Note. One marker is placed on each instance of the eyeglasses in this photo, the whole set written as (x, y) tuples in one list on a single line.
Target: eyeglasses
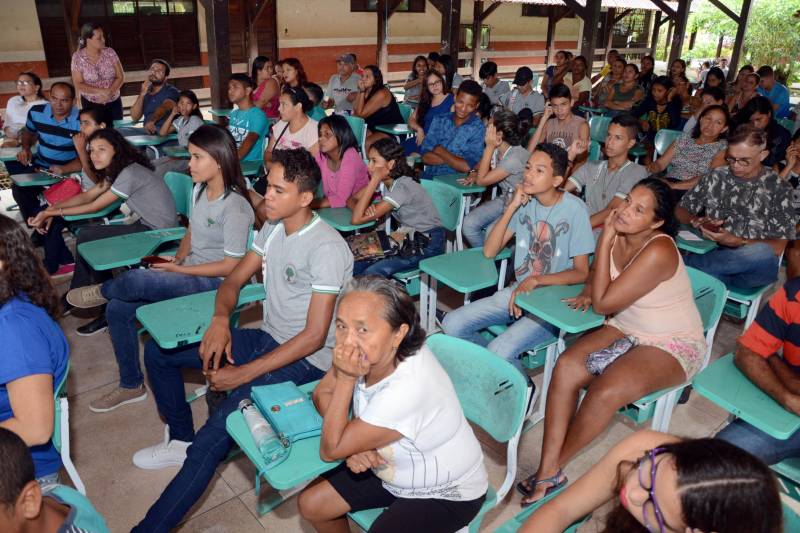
[(647, 480), (742, 161), (24, 82), (434, 83)]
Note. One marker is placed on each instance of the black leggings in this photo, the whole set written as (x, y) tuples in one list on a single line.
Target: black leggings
[(420, 515), (113, 109)]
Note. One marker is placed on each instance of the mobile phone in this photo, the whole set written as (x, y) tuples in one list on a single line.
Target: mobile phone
[(151, 260)]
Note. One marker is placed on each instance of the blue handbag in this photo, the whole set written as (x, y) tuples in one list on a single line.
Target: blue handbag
[(290, 411)]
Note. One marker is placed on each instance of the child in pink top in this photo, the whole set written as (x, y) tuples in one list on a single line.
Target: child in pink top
[(343, 171)]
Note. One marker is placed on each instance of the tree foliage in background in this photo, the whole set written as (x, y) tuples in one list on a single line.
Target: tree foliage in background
[(772, 37)]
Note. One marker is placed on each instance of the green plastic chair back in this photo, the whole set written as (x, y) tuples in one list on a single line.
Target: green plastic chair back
[(787, 123), (491, 390), (664, 139), (317, 113), (59, 391), (447, 200), (594, 151), (598, 128), (709, 297), (180, 185), (791, 520), (359, 128), (406, 111)]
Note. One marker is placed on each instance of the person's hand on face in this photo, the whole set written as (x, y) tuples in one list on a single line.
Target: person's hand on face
[(350, 361), (519, 199), (492, 138)]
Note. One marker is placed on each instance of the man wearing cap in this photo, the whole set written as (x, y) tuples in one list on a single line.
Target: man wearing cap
[(523, 96), (342, 87)]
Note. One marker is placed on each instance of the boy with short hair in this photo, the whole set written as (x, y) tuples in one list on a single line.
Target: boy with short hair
[(566, 127), (608, 182), (492, 86), (553, 243), (25, 506), (305, 263), (454, 142), (777, 93), (247, 123), (523, 96)]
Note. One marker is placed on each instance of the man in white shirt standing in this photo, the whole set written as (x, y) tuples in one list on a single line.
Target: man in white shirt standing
[(342, 88)]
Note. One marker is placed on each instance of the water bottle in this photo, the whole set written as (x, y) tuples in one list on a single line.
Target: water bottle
[(267, 441)]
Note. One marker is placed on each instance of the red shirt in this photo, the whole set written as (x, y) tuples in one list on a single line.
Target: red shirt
[(777, 326)]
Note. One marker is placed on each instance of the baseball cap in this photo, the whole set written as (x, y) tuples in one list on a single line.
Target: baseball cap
[(523, 76), (345, 58)]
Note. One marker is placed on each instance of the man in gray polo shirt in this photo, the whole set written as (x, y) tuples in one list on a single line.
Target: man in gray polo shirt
[(305, 263), (605, 184), (342, 88)]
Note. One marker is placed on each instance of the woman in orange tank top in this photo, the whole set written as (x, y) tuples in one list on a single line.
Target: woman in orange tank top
[(652, 340)]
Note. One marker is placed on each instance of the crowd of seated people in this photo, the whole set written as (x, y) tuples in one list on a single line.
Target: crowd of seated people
[(608, 222)]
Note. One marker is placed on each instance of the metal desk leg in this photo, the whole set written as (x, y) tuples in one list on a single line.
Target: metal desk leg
[(553, 351), (432, 287), (423, 298)]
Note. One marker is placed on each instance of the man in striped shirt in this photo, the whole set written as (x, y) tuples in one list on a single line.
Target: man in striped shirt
[(52, 125), (769, 355)]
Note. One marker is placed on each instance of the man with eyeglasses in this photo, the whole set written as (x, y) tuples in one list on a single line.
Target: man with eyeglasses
[(746, 209), (156, 99)]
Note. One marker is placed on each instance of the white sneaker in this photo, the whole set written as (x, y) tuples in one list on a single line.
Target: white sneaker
[(163, 454)]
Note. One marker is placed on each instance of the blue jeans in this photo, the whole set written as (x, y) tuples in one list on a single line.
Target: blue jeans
[(767, 448), (392, 265), (211, 444), (522, 334), (480, 220), (754, 265), (128, 292)]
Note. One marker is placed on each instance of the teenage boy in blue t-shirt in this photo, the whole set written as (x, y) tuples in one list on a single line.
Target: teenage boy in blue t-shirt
[(553, 243), (247, 123)]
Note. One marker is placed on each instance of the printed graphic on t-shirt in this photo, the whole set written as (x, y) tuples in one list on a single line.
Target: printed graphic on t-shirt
[(239, 132), (542, 249), (289, 144)]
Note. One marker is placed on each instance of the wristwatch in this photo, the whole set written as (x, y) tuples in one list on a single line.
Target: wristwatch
[(745, 242)]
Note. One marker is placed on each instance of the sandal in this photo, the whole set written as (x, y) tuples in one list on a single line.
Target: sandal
[(533, 483)]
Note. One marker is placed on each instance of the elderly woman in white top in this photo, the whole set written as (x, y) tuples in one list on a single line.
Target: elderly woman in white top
[(29, 87), (408, 446)]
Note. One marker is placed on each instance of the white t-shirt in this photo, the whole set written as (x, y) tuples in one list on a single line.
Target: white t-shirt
[(305, 137), (438, 455), (17, 112)]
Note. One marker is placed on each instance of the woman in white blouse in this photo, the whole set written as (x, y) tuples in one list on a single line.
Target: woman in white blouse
[(408, 446), (29, 87)]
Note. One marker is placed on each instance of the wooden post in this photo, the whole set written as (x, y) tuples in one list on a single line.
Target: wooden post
[(681, 19), (738, 43), (253, 15), (692, 38), (719, 46), (477, 24), (654, 38), (451, 26), (590, 22), (71, 10), (551, 36), (219, 50), (385, 9), (608, 29), (669, 39)]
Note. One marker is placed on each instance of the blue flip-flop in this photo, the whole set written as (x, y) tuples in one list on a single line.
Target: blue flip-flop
[(533, 482)]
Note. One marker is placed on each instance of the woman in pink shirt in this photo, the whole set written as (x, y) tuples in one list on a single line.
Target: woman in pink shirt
[(97, 72), (343, 171)]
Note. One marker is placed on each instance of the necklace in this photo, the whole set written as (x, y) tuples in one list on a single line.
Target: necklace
[(604, 172)]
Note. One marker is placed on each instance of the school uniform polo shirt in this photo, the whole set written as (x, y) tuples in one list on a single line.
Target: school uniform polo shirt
[(313, 259), (54, 136)]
